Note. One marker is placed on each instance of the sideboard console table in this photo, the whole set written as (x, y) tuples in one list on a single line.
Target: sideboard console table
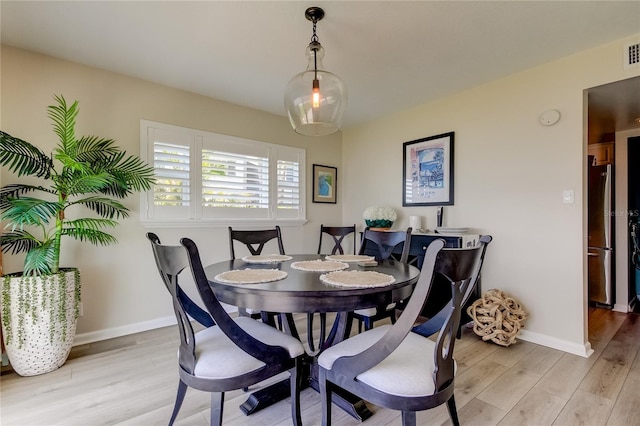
[(441, 291)]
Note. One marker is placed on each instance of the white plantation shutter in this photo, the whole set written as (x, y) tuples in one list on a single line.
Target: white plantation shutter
[(172, 173), (288, 185), (170, 154), (232, 180), (288, 202), (207, 177), (234, 185)]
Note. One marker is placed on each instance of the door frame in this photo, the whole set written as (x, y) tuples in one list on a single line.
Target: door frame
[(624, 299)]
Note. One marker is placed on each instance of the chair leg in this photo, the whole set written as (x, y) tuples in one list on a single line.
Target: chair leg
[(453, 413), (323, 326), (408, 418), (268, 318), (312, 346), (182, 390), (296, 384), (368, 324), (323, 331), (289, 325), (325, 397), (217, 403), (392, 315)]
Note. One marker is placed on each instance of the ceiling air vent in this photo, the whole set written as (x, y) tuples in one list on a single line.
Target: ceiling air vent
[(631, 55)]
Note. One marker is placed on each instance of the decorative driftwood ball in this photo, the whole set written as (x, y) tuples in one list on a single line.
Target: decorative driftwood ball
[(497, 317)]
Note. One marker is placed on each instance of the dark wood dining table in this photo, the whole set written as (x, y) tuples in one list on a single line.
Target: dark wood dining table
[(303, 292)]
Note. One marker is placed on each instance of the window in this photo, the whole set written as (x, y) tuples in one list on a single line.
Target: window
[(204, 177)]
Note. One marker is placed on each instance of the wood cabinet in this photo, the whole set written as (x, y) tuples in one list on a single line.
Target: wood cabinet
[(603, 152), (441, 290), (440, 293)]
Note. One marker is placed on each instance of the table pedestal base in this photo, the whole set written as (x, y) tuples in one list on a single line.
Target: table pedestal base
[(276, 392), (353, 405), (263, 398)]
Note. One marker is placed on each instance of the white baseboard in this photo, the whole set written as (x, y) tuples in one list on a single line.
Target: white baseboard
[(529, 336), (618, 307), (555, 343), (110, 333)]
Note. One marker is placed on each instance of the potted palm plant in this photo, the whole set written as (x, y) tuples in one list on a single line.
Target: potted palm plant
[(83, 176)]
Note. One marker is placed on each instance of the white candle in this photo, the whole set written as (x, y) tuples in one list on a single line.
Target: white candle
[(415, 222)]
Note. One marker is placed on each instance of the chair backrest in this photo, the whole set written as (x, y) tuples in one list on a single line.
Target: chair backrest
[(255, 240), (175, 264), (171, 261), (455, 264), (462, 267), (386, 242), (354, 365), (337, 233), (443, 354), (270, 355)]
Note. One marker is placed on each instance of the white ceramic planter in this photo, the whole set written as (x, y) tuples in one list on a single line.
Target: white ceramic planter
[(40, 324)]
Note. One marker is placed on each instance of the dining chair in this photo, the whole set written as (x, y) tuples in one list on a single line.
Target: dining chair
[(385, 245), (446, 271), (338, 234), (394, 368), (255, 242), (230, 353)]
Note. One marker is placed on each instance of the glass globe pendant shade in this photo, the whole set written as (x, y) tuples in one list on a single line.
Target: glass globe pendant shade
[(315, 99)]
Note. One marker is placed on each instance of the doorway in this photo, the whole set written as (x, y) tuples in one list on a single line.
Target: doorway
[(633, 202), (612, 110)]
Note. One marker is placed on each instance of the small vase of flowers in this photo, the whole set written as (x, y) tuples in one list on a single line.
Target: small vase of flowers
[(379, 217)]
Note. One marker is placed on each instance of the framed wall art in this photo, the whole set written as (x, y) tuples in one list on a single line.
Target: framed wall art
[(427, 173), (324, 184)]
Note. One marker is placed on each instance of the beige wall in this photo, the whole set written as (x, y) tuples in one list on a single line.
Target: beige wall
[(122, 292), (509, 176), (510, 173)]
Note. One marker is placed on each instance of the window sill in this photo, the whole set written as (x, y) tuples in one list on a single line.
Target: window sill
[(221, 223)]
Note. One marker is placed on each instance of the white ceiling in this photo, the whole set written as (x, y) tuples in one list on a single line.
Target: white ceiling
[(392, 55)]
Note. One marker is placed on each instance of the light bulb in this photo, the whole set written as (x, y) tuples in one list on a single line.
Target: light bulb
[(315, 103)]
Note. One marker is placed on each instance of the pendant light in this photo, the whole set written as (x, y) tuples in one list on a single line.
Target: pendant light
[(315, 99)]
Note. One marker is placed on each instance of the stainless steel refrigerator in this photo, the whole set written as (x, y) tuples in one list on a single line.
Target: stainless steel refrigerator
[(600, 243)]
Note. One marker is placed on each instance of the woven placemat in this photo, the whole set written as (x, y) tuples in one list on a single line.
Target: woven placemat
[(357, 279), (319, 265), (266, 258), (350, 258), (250, 276)]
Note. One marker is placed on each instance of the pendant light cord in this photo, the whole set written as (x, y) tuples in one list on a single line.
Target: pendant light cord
[(314, 39)]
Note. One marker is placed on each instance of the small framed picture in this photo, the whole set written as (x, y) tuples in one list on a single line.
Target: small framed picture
[(427, 172), (324, 184)]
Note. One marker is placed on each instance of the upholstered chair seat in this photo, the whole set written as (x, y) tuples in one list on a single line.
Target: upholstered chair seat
[(214, 348), (402, 373)]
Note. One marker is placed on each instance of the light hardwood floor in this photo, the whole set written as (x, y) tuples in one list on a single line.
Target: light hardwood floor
[(132, 381)]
